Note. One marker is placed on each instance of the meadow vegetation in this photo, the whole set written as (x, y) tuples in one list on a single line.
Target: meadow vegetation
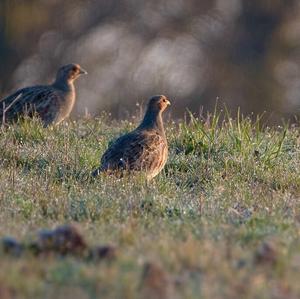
[(222, 219)]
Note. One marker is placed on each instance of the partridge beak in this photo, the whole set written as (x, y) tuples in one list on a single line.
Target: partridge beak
[(168, 102), (83, 72)]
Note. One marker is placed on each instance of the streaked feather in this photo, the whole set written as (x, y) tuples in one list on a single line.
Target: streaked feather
[(52, 103), (143, 150), (42, 100)]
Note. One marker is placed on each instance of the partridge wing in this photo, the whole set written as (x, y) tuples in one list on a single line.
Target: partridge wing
[(39, 99), (136, 151), (114, 155)]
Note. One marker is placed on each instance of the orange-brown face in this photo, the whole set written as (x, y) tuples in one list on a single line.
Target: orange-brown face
[(71, 71), (159, 102)]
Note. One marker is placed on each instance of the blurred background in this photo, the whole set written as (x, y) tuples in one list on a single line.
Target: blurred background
[(245, 53)]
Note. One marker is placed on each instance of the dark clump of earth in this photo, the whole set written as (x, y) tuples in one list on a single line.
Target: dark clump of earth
[(64, 240)]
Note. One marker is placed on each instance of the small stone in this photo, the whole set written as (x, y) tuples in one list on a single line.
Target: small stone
[(265, 254), (68, 240), (106, 252), (156, 283), (45, 240), (11, 246)]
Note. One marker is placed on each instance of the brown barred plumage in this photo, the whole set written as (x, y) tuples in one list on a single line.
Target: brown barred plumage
[(143, 150), (52, 103)]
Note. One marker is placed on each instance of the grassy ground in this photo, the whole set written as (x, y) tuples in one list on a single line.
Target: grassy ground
[(221, 221)]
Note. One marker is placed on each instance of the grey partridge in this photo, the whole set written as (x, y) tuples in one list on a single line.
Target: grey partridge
[(52, 103), (145, 149)]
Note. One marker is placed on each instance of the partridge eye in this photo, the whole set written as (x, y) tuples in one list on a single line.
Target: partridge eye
[(74, 68)]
